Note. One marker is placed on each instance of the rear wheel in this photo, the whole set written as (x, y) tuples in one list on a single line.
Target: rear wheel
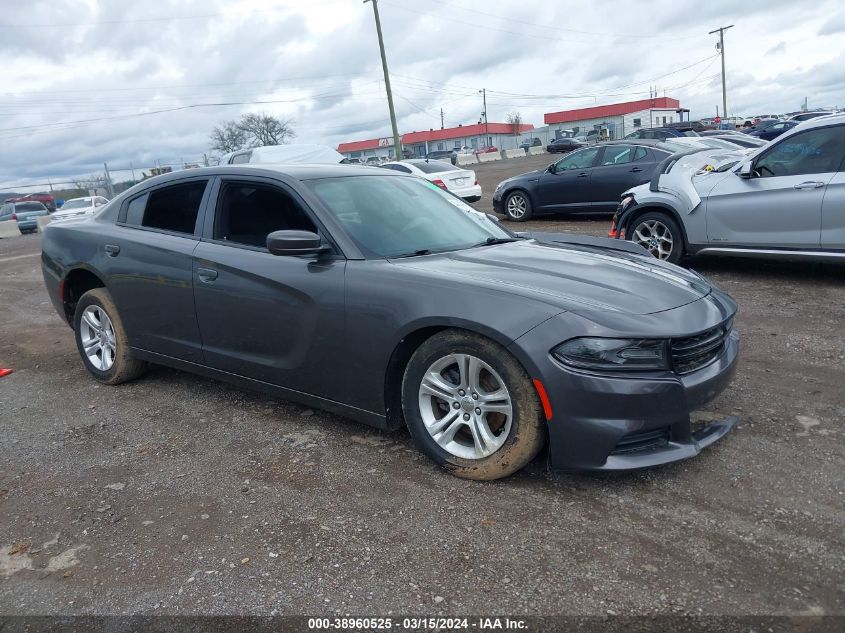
[(660, 235), (518, 206), (471, 407), (101, 339)]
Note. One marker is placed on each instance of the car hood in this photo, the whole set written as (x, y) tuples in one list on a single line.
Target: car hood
[(690, 177), (577, 279)]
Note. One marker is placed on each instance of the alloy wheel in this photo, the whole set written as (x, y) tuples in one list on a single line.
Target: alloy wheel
[(96, 333), (465, 406), (655, 237), (516, 206)]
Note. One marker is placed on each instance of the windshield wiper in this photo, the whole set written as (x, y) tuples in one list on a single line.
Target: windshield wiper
[(422, 251), (490, 241)]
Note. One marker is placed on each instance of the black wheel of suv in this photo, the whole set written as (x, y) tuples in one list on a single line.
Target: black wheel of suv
[(659, 234), (471, 407), (518, 206), (101, 339)]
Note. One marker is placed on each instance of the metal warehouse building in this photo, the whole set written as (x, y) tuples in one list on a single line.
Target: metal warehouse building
[(614, 121), (500, 135)]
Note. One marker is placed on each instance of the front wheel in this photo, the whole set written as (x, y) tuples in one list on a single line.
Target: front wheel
[(660, 235), (471, 407), (518, 206), (101, 339)]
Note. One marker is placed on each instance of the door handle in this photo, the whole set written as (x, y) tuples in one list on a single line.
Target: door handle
[(636, 169), (207, 275), (112, 250), (583, 174), (809, 185)]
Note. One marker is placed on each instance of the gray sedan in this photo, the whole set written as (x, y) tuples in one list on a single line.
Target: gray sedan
[(383, 298)]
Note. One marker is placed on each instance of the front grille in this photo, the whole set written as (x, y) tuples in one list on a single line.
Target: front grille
[(642, 441), (694, 352)]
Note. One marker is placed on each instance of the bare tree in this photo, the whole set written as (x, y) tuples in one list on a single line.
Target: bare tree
[(515, 121), (251, 130), (265, 129), (228, 137), (92, 182)]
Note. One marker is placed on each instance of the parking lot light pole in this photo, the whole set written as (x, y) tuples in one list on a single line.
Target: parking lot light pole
[(721, 31), (396, 144)]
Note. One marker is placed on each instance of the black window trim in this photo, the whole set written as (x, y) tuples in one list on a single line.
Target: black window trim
[(213, 204), (200, 221)]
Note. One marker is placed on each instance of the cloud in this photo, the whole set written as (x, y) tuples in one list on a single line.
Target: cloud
[(834, 25), (779, 48), (317, 63)]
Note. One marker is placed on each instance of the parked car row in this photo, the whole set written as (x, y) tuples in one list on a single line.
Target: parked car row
[(713, 194), (25, 213)]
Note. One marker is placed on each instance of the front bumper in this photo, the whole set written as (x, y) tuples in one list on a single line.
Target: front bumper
[(617, 422)]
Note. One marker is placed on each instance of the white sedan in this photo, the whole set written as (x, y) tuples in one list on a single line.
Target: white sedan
[(461, 182), (78, 207)]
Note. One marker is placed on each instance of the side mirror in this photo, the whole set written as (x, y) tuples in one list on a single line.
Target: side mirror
[(745, 170), (552, 168), (295, 243)]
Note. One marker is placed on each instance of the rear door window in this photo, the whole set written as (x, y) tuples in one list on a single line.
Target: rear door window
[(617, 155), (173, 209)]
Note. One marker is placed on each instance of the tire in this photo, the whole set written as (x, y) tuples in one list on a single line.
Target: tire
[(486, 446), (651, 231), (518, 206), (97, 325)]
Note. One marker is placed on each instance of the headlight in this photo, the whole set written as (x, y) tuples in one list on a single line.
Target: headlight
[(613, 354)]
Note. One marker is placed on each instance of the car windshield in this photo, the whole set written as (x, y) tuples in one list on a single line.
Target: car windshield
[(76, 204), (433, 166), (400, 216)]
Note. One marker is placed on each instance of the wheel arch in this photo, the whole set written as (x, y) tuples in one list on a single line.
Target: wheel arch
[(76, 283), (641, 209), (408, 343)]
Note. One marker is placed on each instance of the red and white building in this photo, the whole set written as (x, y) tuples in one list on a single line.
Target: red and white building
[(500, 135), (616, 120)]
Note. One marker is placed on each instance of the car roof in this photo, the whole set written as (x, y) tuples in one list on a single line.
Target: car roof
[(297, 171), (821, 121)]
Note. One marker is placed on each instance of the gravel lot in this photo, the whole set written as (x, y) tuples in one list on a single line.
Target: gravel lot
[(180, 495)]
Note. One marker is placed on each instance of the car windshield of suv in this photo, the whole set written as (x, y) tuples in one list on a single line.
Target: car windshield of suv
[(76, 204), (433, 166), (400, 217)]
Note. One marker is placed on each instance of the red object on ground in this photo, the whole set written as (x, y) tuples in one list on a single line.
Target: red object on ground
[(5, 372)]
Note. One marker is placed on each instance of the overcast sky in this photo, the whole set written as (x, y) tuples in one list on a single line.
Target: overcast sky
[(316, 62)]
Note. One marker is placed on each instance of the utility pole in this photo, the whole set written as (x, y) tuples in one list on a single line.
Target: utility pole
[(109, 186), (721, 31), (396, 143), (132, 169), (441, 118), (483, 91)]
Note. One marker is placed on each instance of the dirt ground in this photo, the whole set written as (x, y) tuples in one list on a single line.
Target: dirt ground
[(180, 495)]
